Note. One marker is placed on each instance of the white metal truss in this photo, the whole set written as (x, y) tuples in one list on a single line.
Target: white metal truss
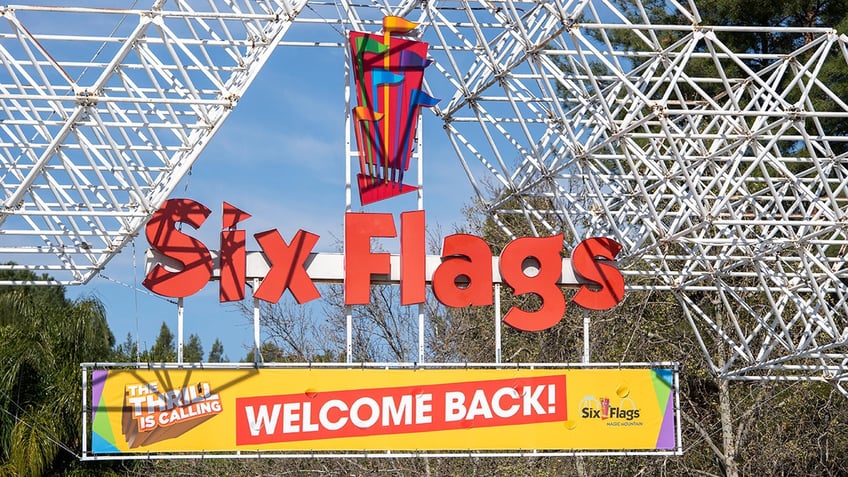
[(100, 122), (729, 189)]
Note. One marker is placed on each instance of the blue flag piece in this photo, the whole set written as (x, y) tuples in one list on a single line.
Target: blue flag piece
[(383, 77), (417, 99), (379, 77), (420, 98)]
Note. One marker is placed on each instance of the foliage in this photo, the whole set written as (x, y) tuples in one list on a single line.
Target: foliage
[(164, 349), (216, 354), (193, 350), (781, 428), (760, 46), (43, 339)]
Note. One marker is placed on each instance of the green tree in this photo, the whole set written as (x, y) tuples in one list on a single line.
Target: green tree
[(163, 350), (216, 354), (727, 440), (759, 47), (127, 352), (269, 353), (193, 350), (43, 339)]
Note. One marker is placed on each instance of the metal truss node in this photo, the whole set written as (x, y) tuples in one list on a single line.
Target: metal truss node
[(727, 189)]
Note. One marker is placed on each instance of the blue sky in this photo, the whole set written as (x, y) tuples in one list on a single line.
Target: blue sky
[(280, 157)]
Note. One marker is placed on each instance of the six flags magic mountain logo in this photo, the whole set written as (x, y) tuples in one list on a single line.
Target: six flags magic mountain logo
[(387, 72), (601, 408)]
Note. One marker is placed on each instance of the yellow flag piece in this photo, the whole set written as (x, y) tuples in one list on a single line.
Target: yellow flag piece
[(398, 25)]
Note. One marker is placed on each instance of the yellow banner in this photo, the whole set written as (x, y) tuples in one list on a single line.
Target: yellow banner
[(163, 411)]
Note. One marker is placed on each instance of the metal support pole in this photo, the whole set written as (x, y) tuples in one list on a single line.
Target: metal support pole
[(347, 126), (498, 346), (256, 333), (84, 411), (586, 336), (349, 334), (180, 313), (419, 153), (348, 192), (420, 332)]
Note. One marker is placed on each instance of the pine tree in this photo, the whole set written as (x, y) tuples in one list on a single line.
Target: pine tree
[(193, 350), (163, 349), (216, 354)]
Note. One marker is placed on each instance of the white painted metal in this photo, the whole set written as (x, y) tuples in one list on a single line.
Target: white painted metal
[(257, 337), (498, 324), (105, 109), (734, 201), (587, 358), (180, 323)]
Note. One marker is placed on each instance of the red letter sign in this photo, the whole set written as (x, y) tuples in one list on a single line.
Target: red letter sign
[(546, 250), (233, 258), (287, 266), (465, 256), (360, 263), (463, 278), (189, 252), (413, 265), (603, 275)]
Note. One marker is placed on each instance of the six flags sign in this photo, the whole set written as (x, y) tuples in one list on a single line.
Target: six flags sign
[(369, 408), (462, 276), (388, 73), (414, 409)]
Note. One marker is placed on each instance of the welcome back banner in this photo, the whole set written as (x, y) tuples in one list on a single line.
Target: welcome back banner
[(166, 411)]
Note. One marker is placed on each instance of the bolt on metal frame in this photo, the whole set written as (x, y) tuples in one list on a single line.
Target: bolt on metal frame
[(729, 191)]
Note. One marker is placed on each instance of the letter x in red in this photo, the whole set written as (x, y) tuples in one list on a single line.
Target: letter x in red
[(288, 269)]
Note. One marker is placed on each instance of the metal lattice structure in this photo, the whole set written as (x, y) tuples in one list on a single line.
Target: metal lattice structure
[(728, 189)]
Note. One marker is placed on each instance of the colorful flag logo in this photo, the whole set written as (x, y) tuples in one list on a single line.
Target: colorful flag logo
[(387, 73)]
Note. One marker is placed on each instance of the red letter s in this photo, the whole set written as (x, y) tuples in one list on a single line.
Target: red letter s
[(584, 259), (187, 251)]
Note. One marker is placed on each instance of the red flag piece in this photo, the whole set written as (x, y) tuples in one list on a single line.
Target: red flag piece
[(232, 215)]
